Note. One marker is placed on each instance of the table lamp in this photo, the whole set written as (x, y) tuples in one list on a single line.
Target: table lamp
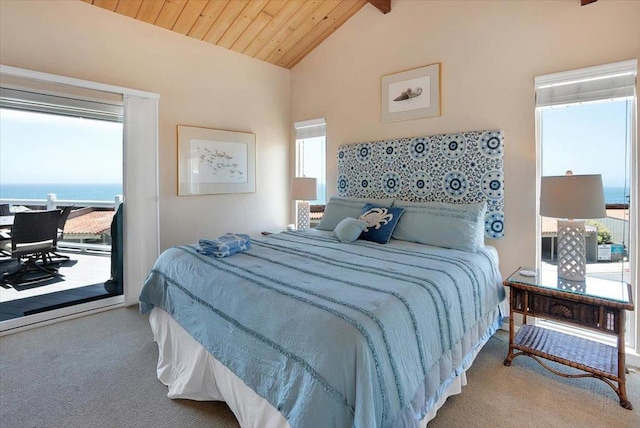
[(570, 197), (303, 190)]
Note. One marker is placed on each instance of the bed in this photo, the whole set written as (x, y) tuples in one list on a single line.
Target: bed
[(308, 329)]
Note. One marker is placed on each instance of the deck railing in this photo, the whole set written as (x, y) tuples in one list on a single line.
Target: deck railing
[(52, 203)]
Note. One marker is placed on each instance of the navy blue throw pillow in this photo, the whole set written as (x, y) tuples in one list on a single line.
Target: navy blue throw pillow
[(380, 222)]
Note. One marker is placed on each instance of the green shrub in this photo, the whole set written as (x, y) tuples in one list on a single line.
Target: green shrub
[(604, 235)]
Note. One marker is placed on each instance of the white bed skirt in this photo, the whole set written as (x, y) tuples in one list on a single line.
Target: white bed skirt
[(190, 372)]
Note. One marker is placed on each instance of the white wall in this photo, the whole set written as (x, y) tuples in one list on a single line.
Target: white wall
[(199, 84), (490, 52)]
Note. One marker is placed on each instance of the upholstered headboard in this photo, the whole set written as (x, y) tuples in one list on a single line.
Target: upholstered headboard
[(465, 167)]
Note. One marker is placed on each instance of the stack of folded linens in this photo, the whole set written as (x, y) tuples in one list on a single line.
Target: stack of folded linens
[(226, 245)]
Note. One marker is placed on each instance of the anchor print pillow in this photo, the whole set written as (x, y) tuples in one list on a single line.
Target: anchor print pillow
[(380, 222)]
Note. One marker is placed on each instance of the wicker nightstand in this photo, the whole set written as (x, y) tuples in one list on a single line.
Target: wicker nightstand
[(596, 304)]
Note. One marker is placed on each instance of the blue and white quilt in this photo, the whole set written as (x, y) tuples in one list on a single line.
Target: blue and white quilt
[(333, 334)]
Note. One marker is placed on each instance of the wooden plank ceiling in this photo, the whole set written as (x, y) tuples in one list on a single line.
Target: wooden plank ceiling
[(280, 32)]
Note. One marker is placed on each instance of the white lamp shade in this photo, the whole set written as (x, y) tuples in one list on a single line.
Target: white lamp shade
[(303, 189), (572, 196)]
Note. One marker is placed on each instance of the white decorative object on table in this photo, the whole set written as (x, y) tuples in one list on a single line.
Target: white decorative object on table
[(572, 196), (303, 190), (572, 259), (530, 273)]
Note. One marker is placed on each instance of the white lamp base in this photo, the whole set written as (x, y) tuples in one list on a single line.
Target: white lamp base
[(303, 215), (572, 260)]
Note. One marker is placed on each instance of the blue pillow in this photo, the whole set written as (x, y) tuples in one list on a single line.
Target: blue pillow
[(380, 222), (457, 226), (349, 229)]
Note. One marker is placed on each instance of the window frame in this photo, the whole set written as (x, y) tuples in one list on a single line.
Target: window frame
[(587, 75), (306, 130)]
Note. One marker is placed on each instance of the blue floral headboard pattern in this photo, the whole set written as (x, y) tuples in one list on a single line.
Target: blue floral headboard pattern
[(465, 167)]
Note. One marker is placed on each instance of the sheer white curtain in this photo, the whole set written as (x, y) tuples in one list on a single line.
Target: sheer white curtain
[(141, 223)]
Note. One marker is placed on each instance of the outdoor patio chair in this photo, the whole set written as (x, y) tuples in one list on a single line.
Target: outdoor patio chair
[(33, 236), (5, 238), (54, 256), (5, 233)]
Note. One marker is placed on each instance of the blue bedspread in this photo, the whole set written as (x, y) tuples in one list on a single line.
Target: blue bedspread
[(334, 334)]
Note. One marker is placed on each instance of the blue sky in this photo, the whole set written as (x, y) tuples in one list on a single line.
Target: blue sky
[(587, 139), (43, 148)]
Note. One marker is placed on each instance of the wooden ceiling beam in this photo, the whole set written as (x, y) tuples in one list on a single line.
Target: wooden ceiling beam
[(385, 5), (586, 2)]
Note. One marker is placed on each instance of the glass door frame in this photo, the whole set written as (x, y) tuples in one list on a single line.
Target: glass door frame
[(141, 219)]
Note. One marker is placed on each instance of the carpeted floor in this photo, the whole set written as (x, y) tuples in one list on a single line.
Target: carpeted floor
[(99, 371)]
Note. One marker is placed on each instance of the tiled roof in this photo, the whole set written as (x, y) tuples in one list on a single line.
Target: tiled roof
[(92, 223)]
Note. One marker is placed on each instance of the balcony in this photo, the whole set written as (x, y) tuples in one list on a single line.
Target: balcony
[(87, 242)]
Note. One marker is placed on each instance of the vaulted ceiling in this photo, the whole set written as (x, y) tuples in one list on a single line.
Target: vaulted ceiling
[(280, 32)]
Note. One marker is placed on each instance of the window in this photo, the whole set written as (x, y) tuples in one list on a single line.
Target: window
[(311, 154), (585, 122)]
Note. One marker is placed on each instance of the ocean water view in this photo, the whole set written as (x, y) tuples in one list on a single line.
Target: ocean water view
[(65, 191), (616, 195), (108, 191)]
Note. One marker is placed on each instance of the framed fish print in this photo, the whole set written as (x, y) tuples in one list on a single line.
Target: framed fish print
[(411, 94), (213, 161)]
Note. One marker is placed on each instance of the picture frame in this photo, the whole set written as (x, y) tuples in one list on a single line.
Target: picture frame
[(215, 161), (411, 94)]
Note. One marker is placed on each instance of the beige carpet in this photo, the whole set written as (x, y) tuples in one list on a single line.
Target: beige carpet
[(99, 371)]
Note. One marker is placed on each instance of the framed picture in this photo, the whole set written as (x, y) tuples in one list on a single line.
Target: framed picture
[(411, 94), (212, 161)]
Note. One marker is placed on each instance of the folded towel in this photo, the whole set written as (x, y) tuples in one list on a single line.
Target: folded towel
[(208, 252), (226, 242), (226, 245)]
